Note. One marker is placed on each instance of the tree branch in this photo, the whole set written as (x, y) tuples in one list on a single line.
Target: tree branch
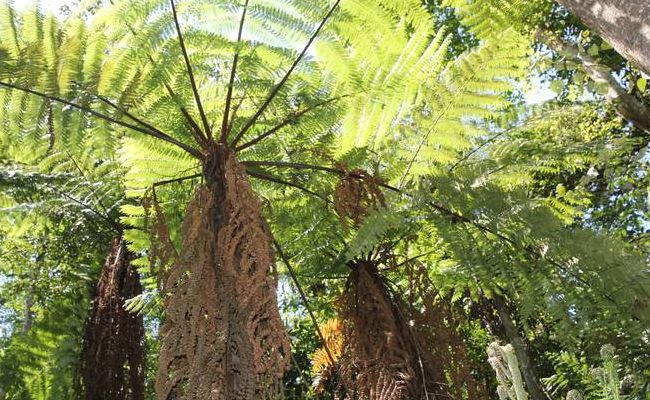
[(336, 171), (279, 85), (188, 66), (174, 180), (273, 179), (305, 301), (131, 116), (114, 225), (233, 72), (99, 115), (234, 113), (625, 104), (287, 121)]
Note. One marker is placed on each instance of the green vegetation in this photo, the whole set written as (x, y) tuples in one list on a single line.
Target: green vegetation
[(360, 199)]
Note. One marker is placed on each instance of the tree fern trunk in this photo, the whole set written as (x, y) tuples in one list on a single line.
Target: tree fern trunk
[(623, 23), (223, 338), (113, 353)]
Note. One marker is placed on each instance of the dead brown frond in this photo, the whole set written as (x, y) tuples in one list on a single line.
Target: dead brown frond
[(355, 195), (380, 359), (403, 348), (162, 252), (435, 326), (222, 337), (113, 351)]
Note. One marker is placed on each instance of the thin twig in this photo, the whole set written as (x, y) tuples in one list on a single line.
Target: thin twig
[(83, 175), (195, 129), (288, 121), (131, 116), (274, 179), (168, 181), (292, 165), (234, 113), (114, 225), (425, 138), (336, 171)]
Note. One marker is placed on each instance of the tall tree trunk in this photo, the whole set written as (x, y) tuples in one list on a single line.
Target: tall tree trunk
[(113, 353), (512, 334), (626, 105), (625, 24), (28, 312), (381, 361), (223, 337)]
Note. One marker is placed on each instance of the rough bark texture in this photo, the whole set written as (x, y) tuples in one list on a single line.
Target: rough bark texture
[(626, 105), (381, 359), (223, 338), (625, 24), (386, 357), (113, 353)]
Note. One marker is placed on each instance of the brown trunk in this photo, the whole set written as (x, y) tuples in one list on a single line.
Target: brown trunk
[(394, 351), (512, 335), (223, 337), (381, 362), (625, 24), (626, 105), (113, 354)]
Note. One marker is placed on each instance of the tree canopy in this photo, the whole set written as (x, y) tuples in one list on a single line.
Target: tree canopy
[(352, 199)]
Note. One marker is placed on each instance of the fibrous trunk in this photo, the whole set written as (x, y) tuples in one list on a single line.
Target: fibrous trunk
[(381, 358), (397, 351), (113, 353), (223, 338)]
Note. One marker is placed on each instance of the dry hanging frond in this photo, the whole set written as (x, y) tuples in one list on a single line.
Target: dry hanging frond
[(356, 194), (380, 362), (223, 338), (321, 365), (435, 328), (161, 251), (113, 353)]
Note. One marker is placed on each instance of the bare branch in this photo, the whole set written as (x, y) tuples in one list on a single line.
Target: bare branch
[(336, 171), (168, 181), (279, 181), (131, 116), (305, 301)]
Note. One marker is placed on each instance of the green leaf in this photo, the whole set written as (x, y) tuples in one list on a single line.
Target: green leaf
[(642, 84), (557, 86)]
